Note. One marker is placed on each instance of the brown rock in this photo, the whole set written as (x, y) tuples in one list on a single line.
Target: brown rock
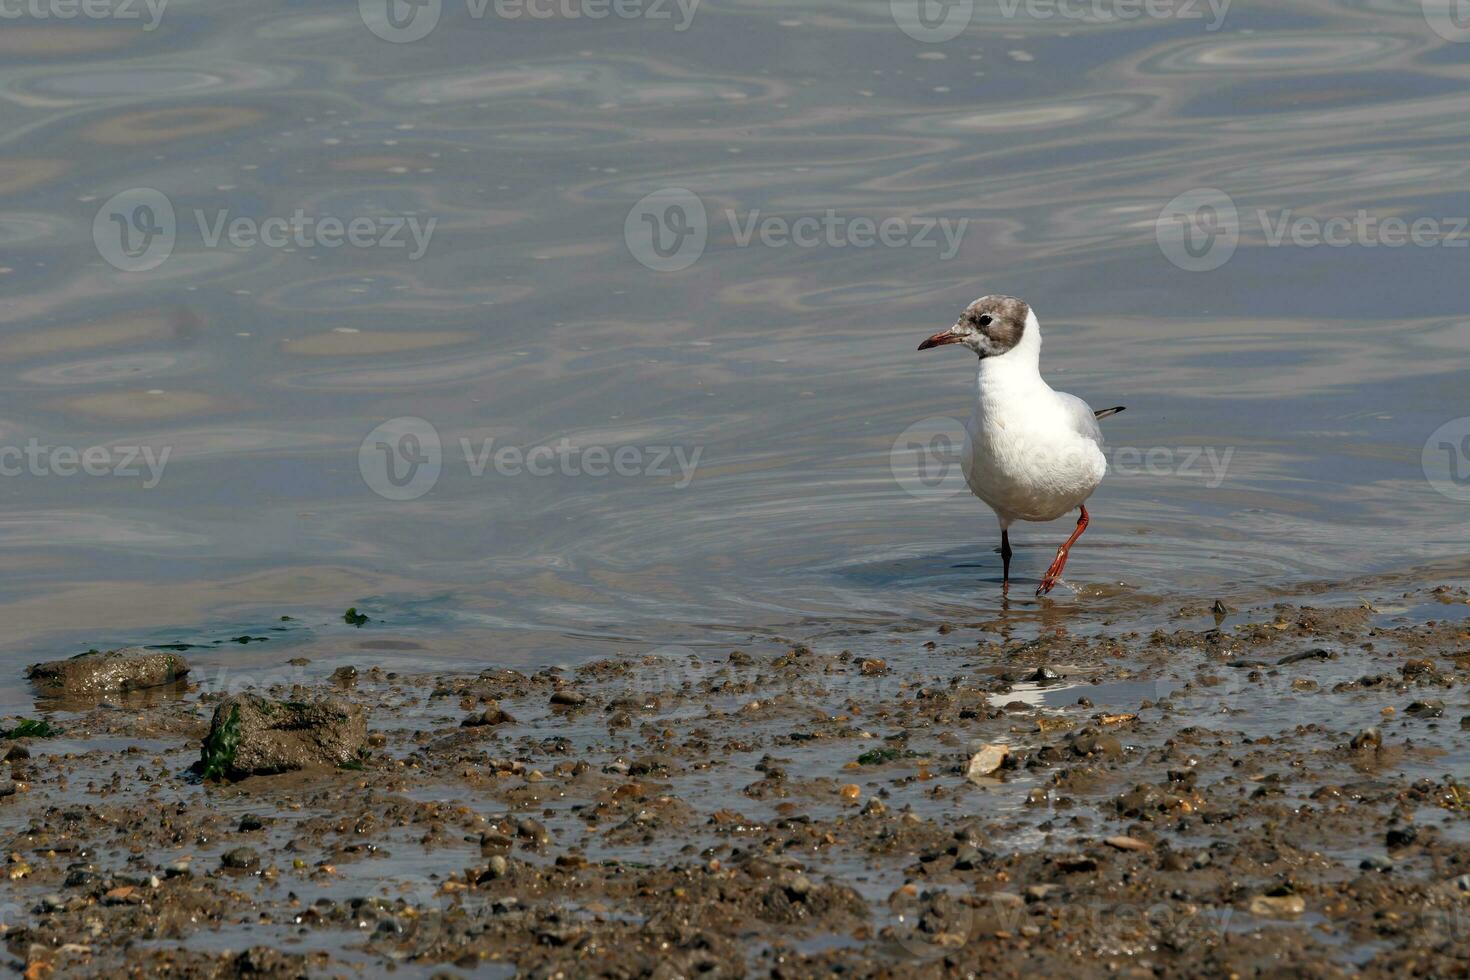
[(251, 735), (93, 673)]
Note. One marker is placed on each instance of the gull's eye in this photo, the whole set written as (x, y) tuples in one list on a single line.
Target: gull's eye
[(985, 320)]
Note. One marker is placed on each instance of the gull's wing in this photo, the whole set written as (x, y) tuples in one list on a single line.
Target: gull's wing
[(1082, 417)]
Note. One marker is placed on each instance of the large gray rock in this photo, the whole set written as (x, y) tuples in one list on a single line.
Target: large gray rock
[(96, 674), (251, 735)]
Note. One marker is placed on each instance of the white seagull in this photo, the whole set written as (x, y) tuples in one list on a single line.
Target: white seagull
[(1031, 453)]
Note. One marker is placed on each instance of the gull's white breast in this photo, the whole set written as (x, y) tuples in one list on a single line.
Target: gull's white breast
[(1031, 453)]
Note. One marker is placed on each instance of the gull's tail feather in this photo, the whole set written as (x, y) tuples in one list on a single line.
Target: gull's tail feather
[(1103, 413)]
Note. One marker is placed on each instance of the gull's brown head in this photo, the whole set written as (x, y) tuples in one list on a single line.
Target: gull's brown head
[(990, 326)]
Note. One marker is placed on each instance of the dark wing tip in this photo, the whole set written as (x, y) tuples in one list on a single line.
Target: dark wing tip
[(1103, 413)]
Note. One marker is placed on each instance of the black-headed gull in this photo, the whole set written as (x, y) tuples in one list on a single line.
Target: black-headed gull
[(1031, 453)]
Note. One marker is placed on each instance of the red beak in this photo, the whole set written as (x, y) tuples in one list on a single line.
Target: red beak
[(939, 340)]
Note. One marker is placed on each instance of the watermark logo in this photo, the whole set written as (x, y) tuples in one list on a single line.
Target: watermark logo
[(405, 21), (932, 21), (1199, 230), (400, 21), (401, 459), (1450, 19), (1446, 459), (134, 230), (43, 10), (667, 231), (925, 458)]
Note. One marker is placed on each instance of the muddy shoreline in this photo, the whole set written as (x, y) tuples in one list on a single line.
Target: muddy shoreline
[(1271, 790)]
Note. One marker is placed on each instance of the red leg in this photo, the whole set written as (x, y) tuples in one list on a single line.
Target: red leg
[(1054, 573), (1005, 558)]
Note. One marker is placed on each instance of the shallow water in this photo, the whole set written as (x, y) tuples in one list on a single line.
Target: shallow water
[(1280, 406)]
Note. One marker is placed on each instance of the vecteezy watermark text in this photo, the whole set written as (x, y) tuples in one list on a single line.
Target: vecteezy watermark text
[(403, 458), (404, 21), (122, 10), (40, 460), (1199, 230), (668, 230), (925, 460), (936, 21), (136, 230)]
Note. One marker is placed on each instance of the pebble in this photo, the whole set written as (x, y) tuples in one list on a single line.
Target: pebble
[(1368, 738), (240, 859), (533, 830), (1400, 837), (493, 714), (986, 761), (1128, 843), (570, 699), (1277, 905), (1426, 709)]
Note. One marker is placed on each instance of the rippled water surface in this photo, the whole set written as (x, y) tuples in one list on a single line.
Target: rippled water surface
[(1280, 406)]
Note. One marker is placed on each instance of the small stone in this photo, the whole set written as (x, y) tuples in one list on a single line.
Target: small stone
[(491, 715), (497, 866), (875, 807), (1369, 739), (1128, 843), (1400, 837), (250, 822), (1075, 863), (240, 859), (873, 667), (1426, 709), (533, 830), (986, 761), (1277, 906), (852, 792), (1089, 742), (800, 885), (1379, 864), (569, 699), (1038, 893), (1043, 675)]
